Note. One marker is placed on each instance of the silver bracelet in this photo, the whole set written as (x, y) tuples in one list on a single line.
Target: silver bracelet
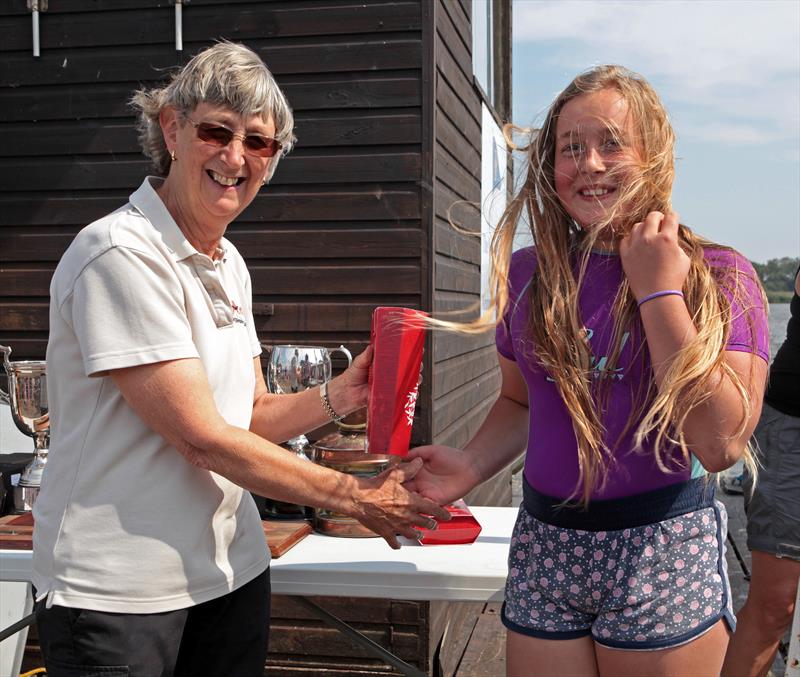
[(326, 404)]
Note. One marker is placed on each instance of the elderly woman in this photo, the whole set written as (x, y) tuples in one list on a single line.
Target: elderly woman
[(149, 555)]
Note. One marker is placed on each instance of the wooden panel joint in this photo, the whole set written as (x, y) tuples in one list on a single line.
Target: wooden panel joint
[(263, 309)]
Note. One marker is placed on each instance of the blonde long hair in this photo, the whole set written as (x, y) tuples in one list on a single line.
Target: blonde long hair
[(559, 338)]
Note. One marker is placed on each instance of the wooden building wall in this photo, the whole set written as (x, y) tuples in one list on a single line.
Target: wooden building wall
[(465, 374), (338, 231), (388, 121), (465, 367)]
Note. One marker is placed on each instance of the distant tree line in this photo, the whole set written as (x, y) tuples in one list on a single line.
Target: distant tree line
[(777, 276)]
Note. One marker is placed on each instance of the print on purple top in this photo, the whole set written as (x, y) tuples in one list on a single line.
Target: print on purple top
[(551, 463)]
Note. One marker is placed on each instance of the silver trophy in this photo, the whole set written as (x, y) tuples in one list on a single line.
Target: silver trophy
[(27, 397), (295, 368), (292, 369)]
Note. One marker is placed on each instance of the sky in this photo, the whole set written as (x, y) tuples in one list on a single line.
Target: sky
[(728, 72)]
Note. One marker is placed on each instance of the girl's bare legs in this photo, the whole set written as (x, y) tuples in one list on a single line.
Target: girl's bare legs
[(534, 657), (701, 657), (765, 616)]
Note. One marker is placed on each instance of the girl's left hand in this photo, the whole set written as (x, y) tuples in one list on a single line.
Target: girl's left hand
[(652, 257)]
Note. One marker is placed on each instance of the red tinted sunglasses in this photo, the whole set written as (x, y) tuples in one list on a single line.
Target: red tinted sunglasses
[(217, 135)]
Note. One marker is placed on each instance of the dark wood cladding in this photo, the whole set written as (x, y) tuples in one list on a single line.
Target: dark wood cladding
[(99, 25), (132, 63), (313, 92), (339, 229), (369, 241), (320, 203)]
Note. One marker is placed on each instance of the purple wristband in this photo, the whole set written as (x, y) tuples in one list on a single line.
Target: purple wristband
[(656, 294)]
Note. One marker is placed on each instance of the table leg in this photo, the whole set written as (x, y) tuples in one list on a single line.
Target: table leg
[(15, 603), (361, 639)]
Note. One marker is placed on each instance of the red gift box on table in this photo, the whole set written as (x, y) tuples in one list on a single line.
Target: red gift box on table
[(462, 527), (398, 339)]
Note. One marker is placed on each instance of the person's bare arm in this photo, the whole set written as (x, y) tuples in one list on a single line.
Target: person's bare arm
[(711, 426), (174, 398), (654, 261), (279, 417), (449, 473)]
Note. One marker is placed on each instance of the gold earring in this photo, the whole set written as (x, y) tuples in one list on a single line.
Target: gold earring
[(172, 156)]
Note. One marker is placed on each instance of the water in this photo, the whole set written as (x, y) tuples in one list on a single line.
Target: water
[(778, 317)]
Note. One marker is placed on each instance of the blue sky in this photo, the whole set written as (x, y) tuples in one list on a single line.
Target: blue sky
[(729, 74)]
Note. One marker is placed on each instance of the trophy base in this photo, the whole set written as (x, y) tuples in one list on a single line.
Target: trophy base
[(24, 498), (333, 524), (270, 509)]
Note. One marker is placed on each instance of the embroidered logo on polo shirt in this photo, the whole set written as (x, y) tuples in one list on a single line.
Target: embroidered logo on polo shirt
[(238, 313)]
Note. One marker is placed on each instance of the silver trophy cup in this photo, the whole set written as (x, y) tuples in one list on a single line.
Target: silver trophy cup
[(27, 397), (291, 369), (295, 368)]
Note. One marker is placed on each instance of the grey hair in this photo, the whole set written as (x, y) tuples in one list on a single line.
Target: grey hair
[(227, 74)]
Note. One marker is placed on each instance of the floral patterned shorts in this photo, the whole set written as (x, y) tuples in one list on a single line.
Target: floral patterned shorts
[(646, 587)]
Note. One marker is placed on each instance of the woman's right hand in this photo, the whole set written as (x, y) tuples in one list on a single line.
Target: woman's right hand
[(348, 391), (447, 473), (386, 506)]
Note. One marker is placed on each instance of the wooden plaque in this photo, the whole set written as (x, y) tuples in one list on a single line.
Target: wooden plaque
[(16, 533)]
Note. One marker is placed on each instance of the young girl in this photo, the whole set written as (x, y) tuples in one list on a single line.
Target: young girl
[(633, 356)]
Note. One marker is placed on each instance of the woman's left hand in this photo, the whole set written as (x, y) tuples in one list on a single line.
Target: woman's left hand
[(348, 391), (652, 257)]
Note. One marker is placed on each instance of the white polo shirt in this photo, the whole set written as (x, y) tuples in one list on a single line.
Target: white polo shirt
[(124, 523)]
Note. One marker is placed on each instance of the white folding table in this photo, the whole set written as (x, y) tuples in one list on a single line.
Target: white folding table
[(368, 567)]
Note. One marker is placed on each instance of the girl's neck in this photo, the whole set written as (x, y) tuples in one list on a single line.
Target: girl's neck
[(606, 246), (605, 251)]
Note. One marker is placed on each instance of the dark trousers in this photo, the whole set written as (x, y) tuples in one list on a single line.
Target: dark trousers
[(224, 637)]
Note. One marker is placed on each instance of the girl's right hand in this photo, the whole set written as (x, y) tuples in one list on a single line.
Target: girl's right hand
[(652, 257), (446, 475)]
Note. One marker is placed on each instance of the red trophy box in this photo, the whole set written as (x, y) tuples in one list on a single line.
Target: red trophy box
[(398, 339), (462, 527)]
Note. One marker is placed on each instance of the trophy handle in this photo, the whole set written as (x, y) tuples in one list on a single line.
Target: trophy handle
[(6, 350), (345, 352)]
